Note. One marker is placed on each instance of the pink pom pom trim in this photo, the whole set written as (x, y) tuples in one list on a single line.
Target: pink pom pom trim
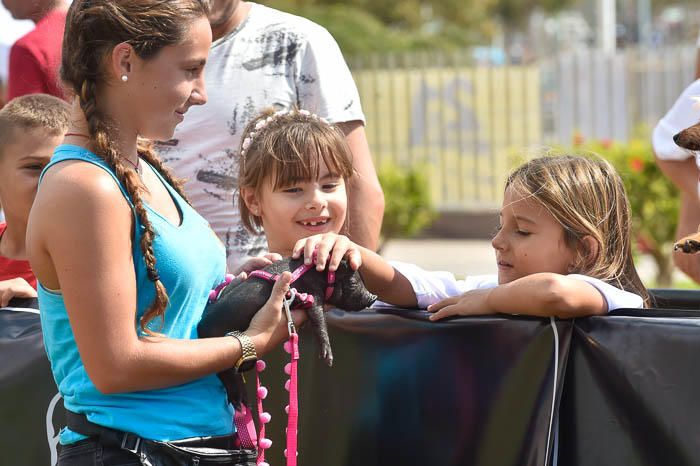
[(262, 392), (265, 443), (260, 365)]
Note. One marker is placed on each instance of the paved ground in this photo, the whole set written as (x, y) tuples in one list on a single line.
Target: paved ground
[(472, 257), (461, 257)]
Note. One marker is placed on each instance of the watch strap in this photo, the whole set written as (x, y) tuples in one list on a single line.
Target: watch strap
[(248, 353)]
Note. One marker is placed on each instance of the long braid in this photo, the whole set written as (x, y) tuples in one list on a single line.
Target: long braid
[(104, 147), (93, 29), (146, 152)]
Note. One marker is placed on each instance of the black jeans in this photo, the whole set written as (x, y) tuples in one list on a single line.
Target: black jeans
[(89, 452)]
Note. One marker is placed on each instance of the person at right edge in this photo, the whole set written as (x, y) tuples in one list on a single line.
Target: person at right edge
[(681, 166)]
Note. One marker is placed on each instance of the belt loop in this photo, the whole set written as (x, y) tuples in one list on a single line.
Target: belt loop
[(137, 443)]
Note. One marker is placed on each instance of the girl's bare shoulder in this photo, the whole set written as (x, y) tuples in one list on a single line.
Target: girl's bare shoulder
[(77, 184)]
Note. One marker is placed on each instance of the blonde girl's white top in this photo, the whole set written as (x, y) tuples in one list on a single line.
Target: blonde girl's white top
[(431, 287)]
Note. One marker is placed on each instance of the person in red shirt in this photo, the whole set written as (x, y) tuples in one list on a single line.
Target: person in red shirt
[(31, 127), (35, 57)]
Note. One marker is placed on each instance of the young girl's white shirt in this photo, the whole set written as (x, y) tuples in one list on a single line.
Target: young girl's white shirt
[(431, 287)]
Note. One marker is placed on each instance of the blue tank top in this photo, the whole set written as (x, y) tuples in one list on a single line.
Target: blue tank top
[(190, 261)]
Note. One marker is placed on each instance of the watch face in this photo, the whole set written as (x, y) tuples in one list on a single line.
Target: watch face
[(247, 364)]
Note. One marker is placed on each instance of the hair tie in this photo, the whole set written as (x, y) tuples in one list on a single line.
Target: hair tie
[(153, 275)]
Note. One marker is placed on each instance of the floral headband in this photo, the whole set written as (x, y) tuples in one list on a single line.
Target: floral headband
[(260, 125)]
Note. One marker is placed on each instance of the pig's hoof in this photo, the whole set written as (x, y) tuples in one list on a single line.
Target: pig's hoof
[(327, 355)]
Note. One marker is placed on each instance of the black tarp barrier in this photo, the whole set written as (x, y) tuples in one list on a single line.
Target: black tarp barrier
[(412, 392), (632, 393), (467, 391), (28, 394)]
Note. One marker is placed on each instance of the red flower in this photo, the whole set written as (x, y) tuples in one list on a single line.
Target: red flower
[(578, 139), (636, 164), (643, 244)]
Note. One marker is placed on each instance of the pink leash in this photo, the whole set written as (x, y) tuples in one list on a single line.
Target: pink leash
[(293, 412), (243, 419)]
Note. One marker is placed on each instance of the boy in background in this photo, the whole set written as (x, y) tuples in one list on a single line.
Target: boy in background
[(31, 127)]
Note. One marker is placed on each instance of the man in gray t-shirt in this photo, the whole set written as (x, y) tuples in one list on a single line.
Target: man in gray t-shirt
[(262, 57)]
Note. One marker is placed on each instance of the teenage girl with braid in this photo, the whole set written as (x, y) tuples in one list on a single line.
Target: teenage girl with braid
[(124, 264)]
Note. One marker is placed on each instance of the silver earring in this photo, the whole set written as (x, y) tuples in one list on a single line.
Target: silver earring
[(125, 78)]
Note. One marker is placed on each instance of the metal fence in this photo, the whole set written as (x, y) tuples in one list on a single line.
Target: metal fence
[(465, 122)]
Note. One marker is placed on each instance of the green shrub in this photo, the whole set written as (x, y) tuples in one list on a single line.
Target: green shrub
[(408, 207)]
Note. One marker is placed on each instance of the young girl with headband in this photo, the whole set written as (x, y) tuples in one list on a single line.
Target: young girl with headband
[(293, 176), (563, 248)]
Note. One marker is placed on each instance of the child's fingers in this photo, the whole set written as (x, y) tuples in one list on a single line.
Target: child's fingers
[(355, 259), (240, 278), (273, 256), (256, 263), (17, 287), (340, 248), (299, 246), (26, 292), (310, 247), (444, 312), (443, 303), (344, 248), (327, 243)]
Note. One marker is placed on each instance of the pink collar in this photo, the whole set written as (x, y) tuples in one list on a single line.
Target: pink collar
[(306, 300)]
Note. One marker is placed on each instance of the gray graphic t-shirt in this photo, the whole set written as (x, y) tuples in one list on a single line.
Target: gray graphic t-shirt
[(272, 59)]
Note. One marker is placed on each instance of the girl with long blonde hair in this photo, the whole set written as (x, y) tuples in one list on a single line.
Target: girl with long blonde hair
[(563, 248)]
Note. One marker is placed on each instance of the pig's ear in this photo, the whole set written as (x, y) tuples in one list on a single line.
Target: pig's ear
[(358, 296)]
